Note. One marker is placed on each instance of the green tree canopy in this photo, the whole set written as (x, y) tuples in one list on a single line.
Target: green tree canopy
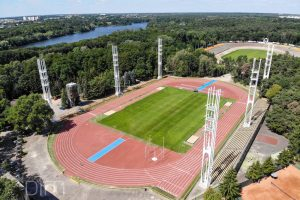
[(101, 85), (285, 158), (4, 105), (273, 91), (194, 63), (64, 99), (229, 187), (268, 167), (294, 139), (255, 171), (30, 114), (9, 189), (212, 194)]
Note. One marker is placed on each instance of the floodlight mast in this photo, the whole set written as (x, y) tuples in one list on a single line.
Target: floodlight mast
[(268, 63), (116, 70), (252, 92), (160, 53), (44, 80), (210, 133)]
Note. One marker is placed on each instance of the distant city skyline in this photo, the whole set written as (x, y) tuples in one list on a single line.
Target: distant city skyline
[(11, 8)]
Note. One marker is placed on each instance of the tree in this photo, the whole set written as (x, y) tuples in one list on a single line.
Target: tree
[(294, 138), (30, 114), (273, 91), (285, 158), (212, 194), (101, 85), (279, 120), (140, 70), (229, 187), (255, 172), (4, 45), (4, 105), (9, 189), (183, 63), (64, 99), (268, 167)]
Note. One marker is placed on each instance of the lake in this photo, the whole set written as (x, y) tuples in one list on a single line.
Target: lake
[(98, 32)]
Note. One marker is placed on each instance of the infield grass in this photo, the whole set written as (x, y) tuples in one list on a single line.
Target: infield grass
[(250, 53), (172, 114)]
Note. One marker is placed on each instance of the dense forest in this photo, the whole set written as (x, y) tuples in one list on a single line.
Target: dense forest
[(205, 30)]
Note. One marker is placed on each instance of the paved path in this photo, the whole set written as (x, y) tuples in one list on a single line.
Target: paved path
[(172, 176)]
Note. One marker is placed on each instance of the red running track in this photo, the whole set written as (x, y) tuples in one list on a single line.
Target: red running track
[(127, 165)]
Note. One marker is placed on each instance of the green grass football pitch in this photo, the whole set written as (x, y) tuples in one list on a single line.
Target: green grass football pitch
[(171, 113), (250, 53)]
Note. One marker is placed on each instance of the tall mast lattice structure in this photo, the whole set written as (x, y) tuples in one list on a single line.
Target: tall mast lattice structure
[(160, 54), (210, 133), (44, 80), (269, 58), (116, 70), (252, 92)]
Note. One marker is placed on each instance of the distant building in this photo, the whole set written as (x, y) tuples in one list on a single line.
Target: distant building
[(290, 16), (31, 18)]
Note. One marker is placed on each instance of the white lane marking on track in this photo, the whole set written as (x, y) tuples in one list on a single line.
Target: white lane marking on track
[(92, 114), (186, 172), (189, 86)]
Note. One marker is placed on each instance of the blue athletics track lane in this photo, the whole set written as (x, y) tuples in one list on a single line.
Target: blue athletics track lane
[(106, 150), (205, 85)]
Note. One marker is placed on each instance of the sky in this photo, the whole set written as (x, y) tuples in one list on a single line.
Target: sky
[(44, 7)]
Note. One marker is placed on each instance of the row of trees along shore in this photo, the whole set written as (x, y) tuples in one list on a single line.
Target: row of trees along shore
[(22, 33)]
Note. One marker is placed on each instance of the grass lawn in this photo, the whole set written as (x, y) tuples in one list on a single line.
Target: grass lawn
[(250, 53), (170, 113)]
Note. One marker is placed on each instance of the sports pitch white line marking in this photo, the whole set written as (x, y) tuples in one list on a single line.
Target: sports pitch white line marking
[(108, 113)]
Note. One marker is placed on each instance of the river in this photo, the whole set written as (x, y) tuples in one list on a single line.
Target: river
[(97, 32)]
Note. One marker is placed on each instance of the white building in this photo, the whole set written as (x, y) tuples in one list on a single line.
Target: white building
[(30, 18)]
